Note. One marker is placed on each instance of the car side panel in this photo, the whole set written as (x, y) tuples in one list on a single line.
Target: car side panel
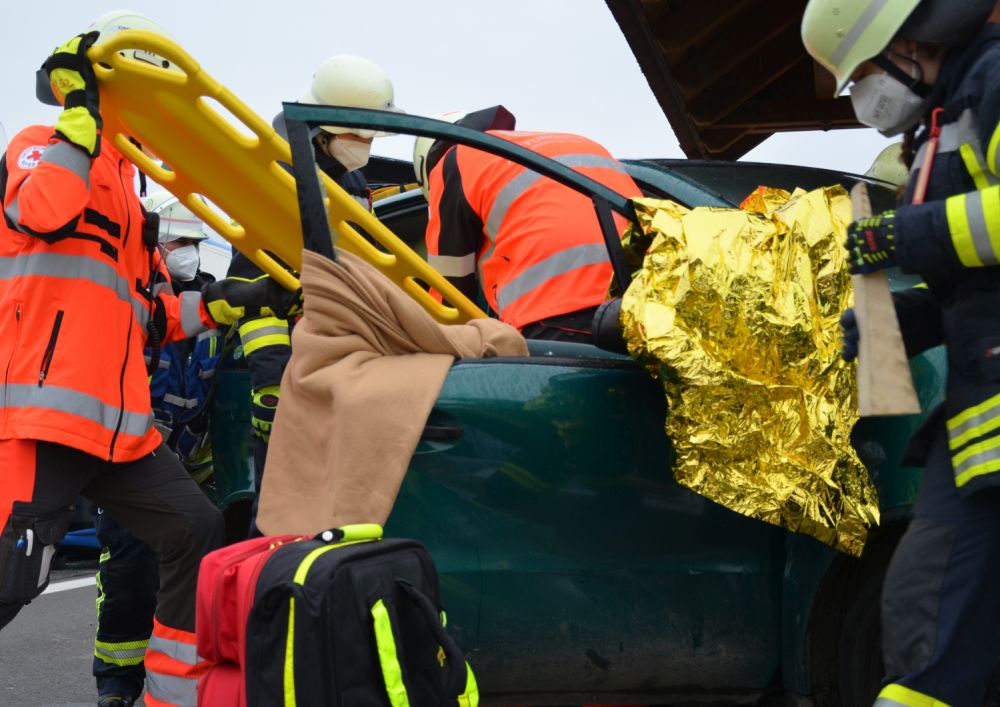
[(598, 571)]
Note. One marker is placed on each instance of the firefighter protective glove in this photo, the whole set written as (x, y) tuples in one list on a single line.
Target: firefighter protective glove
[(262, 407), (871, 243), (236, 298), (851, 335), (75, 85)]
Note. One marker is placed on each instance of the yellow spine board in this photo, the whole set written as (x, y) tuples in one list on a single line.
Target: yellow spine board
[(177, 116)]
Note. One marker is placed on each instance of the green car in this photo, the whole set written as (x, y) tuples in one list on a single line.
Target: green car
[(573, 568)]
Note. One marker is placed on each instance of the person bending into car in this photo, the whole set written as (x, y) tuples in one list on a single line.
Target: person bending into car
[(77, 305), (532, 246), (934, 65)]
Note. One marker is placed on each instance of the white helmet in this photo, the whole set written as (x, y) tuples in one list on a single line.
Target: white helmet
[(176, 220), (111, 23), (422, 147), (353, 81), (108, 25)]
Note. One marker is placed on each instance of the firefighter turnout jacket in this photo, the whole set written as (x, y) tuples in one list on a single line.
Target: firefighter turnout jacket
[(532, 244), (75, 300), (953, 241)]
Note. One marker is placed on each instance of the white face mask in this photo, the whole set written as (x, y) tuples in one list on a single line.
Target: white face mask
[(884, 103), (182, 263), (350, 153)]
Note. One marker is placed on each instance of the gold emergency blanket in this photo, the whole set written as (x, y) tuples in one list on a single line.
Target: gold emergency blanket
[(737, 312)]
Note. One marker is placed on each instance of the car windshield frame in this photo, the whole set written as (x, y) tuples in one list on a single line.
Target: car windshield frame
[(302, 118)]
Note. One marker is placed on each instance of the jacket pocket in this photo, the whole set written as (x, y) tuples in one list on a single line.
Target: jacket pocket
[(50, 348)]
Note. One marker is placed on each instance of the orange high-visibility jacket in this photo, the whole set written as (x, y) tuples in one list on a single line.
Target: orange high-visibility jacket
[(74, 300), (534, 245)]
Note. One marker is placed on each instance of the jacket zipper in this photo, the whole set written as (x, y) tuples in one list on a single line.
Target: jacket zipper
[(50, 348), (13, 350), (128, 337), (121, 392), (128, 214)]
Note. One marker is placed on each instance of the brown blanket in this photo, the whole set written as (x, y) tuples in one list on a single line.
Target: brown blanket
[(367, 365)]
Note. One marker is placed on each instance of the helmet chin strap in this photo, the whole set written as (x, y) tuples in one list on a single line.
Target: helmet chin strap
[(914, 83)]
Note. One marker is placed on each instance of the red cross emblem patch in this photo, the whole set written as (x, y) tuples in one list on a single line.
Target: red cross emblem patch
[(31, 156)]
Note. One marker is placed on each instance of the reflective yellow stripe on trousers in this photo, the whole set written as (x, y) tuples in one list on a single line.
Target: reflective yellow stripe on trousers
[(899, 696)]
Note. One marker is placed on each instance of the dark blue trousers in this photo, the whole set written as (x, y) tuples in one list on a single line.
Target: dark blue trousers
[(127, 581), (941, 600)]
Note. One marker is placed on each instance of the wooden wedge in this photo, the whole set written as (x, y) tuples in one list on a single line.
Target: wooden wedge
[(885, 384)]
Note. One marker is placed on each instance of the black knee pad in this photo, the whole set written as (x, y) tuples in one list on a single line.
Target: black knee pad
[(27, 545)]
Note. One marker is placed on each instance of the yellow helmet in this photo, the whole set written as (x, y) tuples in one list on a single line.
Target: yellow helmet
[(843, 34), (889, 167)]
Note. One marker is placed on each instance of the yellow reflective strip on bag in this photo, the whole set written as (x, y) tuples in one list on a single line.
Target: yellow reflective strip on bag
[(905, 696), (961, 235), (469, 698), (289, 673), (300, 578), (972, 165), (386, 643)]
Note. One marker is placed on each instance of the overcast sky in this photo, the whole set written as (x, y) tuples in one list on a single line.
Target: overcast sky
[(556, 64)]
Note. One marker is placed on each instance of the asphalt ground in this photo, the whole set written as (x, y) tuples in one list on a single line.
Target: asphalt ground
[(47, 650)]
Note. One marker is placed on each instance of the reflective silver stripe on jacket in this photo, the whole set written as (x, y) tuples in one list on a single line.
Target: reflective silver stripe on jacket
[(276, 330), (162, 363), (64, 155), (186, 403), (182, 692), (523, 181), (982, 454), (191, 323), (453, 265), (964, 131), (184, 652), (541, 272), (73, 267), (160, 287), (73, 402), (977, 228), (72, 158), (209, 334)]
